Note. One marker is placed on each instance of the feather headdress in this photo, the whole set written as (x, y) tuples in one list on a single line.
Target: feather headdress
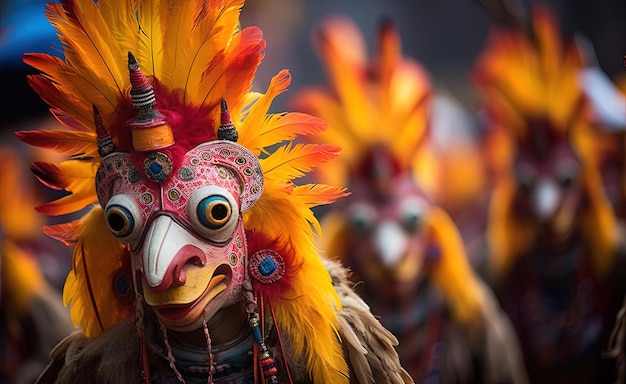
[(524, 75), (195, 55), (364, 99), (379, 109)]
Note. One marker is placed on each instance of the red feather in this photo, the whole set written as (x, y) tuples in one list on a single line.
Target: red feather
[(71, 143), (52, 95)]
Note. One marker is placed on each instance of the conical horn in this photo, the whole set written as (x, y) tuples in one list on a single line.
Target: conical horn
[(149, 131), (105, 143), (226, 130)]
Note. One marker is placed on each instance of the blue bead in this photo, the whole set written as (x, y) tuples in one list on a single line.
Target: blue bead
[(256, 334), (155, 168), (267, 266)]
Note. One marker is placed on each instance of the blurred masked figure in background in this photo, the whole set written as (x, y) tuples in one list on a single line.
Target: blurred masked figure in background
[(32, 316), (552, 237), (406, 255)]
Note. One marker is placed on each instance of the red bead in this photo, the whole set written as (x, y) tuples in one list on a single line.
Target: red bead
[(270, 372), (267, 362)]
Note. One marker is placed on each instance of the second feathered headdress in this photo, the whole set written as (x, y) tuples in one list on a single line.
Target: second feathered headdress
[(378, 110)]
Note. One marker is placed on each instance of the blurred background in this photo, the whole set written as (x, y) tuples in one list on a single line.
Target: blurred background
[(446, 36)]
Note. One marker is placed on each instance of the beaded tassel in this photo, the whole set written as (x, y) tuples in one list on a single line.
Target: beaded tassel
[(208, 348), (139, 316), (172, 360), (267, 362), (145, 370), (170, 356)]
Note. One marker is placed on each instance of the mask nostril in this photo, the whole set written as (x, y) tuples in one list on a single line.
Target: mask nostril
[(195, 261), (179, 276), (179, 270)]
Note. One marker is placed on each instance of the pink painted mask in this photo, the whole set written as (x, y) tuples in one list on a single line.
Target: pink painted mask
[(185, 232), (179, 213)]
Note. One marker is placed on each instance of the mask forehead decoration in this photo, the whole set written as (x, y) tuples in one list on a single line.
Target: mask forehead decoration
[(191, 182)]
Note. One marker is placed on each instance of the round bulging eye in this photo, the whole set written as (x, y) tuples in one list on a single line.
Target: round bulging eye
[(214, 211), (412, 212), (567, 173), (361, 217), (525, 176), (120, 221), (123, 217), (411, 221)]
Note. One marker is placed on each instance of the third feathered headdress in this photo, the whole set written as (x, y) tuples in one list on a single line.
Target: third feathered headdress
[(525, 74)]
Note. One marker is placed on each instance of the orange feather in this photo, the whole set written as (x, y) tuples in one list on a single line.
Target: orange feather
[(74, 176)]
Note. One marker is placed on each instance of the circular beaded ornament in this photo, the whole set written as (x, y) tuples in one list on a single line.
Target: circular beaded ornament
[(157, 166), (267, 266)]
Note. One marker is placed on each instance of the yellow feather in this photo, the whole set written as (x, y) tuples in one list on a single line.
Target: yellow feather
[(230, 74), (73, 143), (22, 278), (196, 31), (273, 213), (66, 92), (294, 160), (390, 106), (211, 33), (92, 52), (287, 126), (324, 105), (314, 195), (149, 45), (343, 50), (308, 315), (88, 289), (177, 54), (249, 134), (539, 76), (465, 300)]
